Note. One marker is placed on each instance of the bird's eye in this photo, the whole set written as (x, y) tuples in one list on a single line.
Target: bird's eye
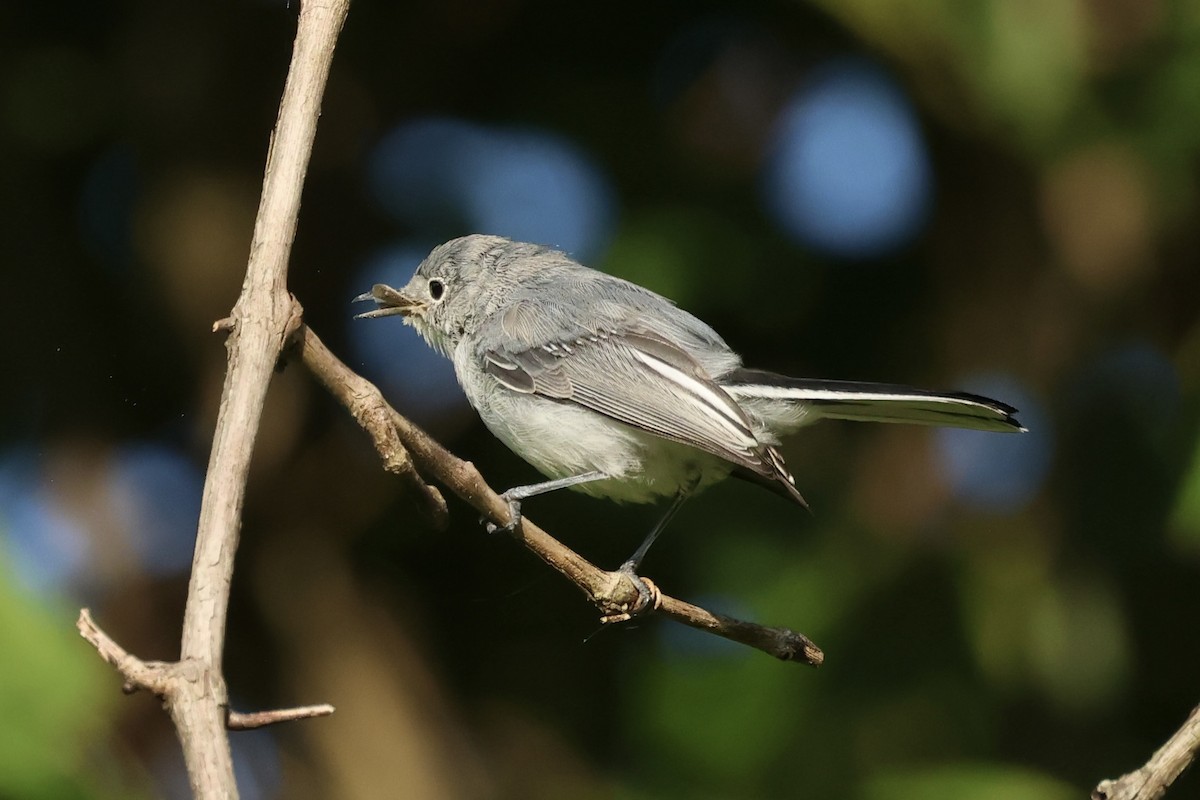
[(436, 289)]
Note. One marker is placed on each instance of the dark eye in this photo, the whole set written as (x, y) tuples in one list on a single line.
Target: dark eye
[(436, 289)]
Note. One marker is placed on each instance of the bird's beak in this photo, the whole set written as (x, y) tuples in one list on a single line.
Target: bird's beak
[(389, 301)]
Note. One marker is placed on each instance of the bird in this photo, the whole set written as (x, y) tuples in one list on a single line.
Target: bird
[(610, 389)]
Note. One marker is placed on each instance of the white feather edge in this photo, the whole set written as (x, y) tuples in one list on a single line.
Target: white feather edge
[(918, 408)]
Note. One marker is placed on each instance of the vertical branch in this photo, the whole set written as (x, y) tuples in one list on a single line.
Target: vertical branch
[(259, 326), (193, 689)]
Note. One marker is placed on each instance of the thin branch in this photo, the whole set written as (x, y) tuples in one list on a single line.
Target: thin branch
[(783, 643), (149, 675), (239, 721), (1152, 780), (263, 319), (614, 593), (365, 403), (158, 676)]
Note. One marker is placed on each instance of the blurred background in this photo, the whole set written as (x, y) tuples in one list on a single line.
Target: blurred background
[(991, 195)]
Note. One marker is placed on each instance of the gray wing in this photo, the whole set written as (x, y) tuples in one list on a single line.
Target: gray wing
[(589, 302), (641, 379)]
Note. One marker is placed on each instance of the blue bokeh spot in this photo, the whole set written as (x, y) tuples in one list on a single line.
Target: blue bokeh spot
[(47, 546), (438, 174), (158, 489), (999, 472), (1132, 381), (848, 174)]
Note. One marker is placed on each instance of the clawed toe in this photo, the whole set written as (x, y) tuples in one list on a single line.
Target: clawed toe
[(514, 514), (649, 597)]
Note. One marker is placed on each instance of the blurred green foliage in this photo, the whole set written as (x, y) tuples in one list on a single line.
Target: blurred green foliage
[(54, 703), (968, 782), (1186, 519)]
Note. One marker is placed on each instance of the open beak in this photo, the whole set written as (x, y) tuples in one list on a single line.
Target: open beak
[(389, 302)]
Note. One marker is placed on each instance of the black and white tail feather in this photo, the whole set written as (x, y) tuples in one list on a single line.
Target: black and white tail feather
[(784, 403)]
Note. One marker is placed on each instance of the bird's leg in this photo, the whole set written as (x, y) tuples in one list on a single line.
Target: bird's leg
[(630, 567), (634, 561), (515, 495)]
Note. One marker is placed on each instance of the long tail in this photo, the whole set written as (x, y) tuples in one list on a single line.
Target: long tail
[(785, 404)]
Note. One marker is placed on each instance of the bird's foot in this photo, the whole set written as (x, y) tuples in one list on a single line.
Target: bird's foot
[(514, 515), (649, 597)]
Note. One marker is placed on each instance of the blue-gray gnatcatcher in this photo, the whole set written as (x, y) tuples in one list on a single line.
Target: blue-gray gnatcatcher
[(609, 388)]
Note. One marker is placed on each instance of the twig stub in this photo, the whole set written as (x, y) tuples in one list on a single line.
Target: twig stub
[(153, 676), (240, 721)]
